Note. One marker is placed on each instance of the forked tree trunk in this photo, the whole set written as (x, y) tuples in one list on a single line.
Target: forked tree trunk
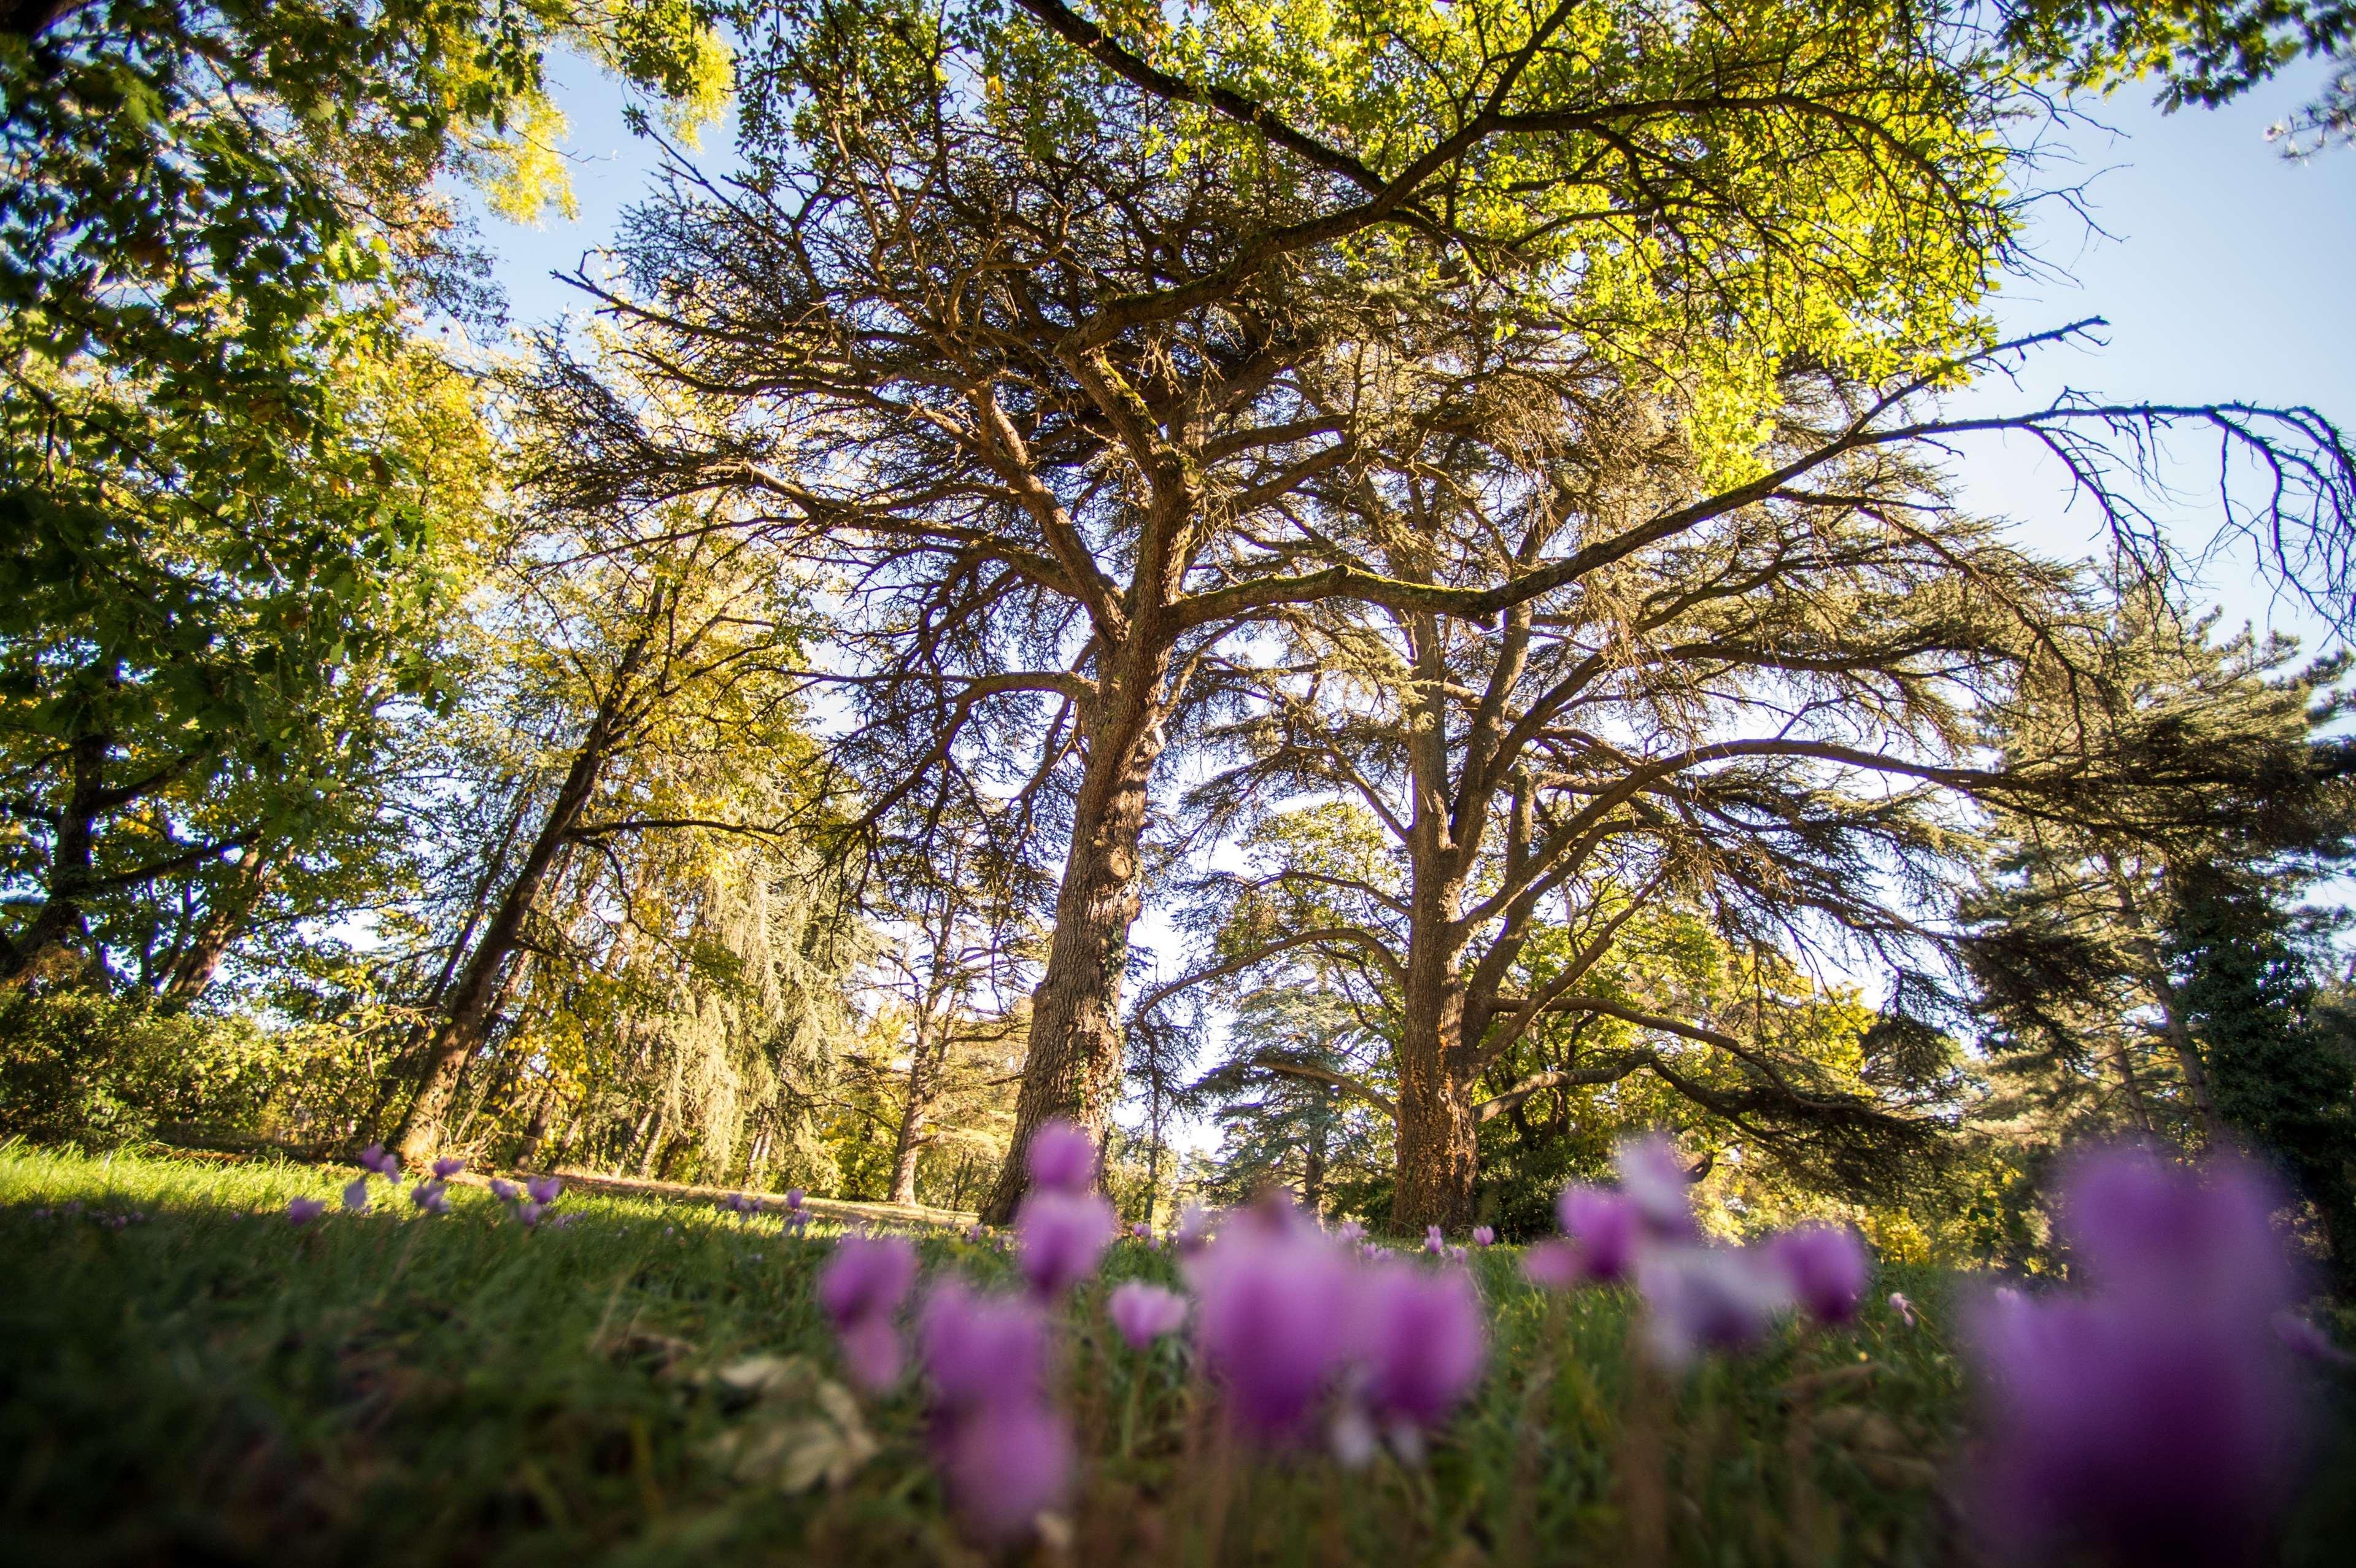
[(230, 915), (1074, 1069), (52, 938)]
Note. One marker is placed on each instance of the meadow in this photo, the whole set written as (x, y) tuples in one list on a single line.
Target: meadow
[(185, 1377)]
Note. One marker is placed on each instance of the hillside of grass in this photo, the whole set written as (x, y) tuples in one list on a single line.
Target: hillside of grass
[(186, 1377)]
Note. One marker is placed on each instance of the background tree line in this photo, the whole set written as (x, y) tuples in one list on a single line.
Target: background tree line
[(1450, 504)]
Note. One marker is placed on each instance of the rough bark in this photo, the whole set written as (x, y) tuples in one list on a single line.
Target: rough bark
[(1073, 1068)]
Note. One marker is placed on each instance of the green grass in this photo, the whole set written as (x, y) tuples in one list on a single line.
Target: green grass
[(207, 1385)]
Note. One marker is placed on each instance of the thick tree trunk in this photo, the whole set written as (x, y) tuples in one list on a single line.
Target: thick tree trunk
[(62, 926), (1074, 1069), (1438, 1159)]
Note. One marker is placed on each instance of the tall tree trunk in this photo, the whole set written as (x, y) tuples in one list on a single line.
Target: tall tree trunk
[(921, 1082), (468, 1008), (227, 917), (62, 924), (2171, 1009), (1438, 1154), (1074, 1069)]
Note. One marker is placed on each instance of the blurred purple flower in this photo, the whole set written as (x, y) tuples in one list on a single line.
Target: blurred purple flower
[(1063, 1158), (1554, 1265), (446, 1168), (1654, 1180), (868, 1277), (1059, 1235), (430, 1196), (1141, 1231), (1422, 1340), (1194, 1233), (1434, 1242), (1005, 1463), (1902, 1308), (1484, 1236), (1144, 1313), (2157, 1417), (1266, 1309), (301, 1212), (2302, 1338), (505, 1192), (355, 1196), (870, 1350), (527, 1213), (1707, 1298), (544, 1189), (974, 1232), (1604, 1227), (376, 1158), (1824, 1267), (1350, 1231), (981, 1349)]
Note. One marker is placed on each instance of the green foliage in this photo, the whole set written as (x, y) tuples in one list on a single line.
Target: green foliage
[(84, 1068), (2283, 1069), (2204, 51)]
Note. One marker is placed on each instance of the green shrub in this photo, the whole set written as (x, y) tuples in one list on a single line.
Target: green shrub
[(82, 1066)]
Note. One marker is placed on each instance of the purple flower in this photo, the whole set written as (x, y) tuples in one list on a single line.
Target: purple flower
[(1654, 1180), (527, 1213), (430, 1196), (974, 1233), (1350, 1231), (2157, 1417), (1141, 1231), (301, 1212), (1266, 1311), (356, 1196), (444, 1168), (1063, 1158), (870, 1349), (1604, 1227), (1825, 1268), (793, 1197), (1902, 1308), (1421, 1341), (1194, 1233), (1707, 1298), (2303, 1339), (1554, 1265), (1059, 1235), (868, 1277), (505, 1192), (1144, 1313), (1005, 1463), (1484, 1236), (981, 1349), (544, 1189), (376, 1158), (1434, 1242)]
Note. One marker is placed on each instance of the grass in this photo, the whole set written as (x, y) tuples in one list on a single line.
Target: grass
[(205, 1385)]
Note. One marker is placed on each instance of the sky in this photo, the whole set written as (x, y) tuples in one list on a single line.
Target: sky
[(2224, 271)]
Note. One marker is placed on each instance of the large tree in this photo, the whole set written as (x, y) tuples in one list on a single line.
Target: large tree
[(1032, 325)]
